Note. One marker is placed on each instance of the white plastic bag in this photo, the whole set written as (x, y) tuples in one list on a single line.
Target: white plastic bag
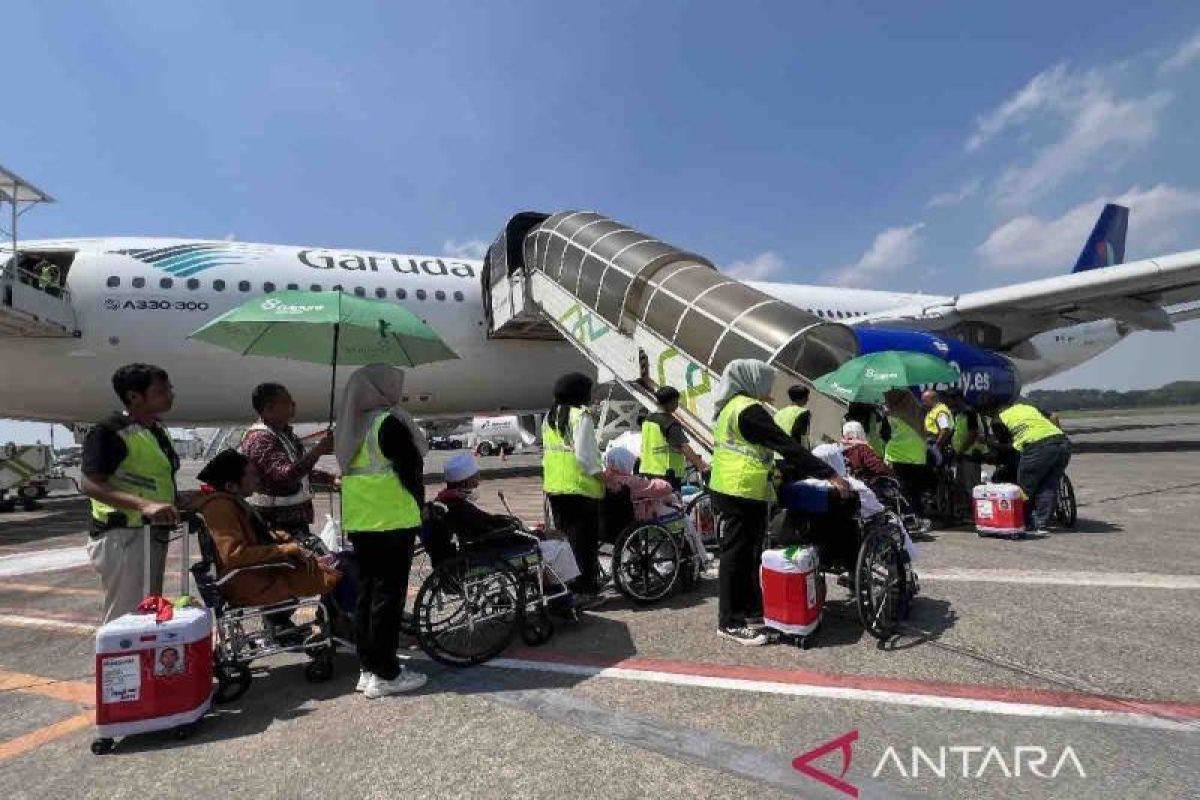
[(331, 534)]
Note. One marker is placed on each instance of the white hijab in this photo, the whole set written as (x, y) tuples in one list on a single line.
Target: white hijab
[(747, 376), (620, 460), (831, 454), (371, 389)]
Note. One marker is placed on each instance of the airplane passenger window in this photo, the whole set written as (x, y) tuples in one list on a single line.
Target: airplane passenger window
[(112, 282), (316, 287), (243, 286), (420, 294), (380, 292), (166, 283), (337, 288), (401, 294), (218, 285), (439, 294), (828, 313), (193, 283), (268, 287), (840, 315), (458, 296), (138, 283), (293, 287), (360, 291)]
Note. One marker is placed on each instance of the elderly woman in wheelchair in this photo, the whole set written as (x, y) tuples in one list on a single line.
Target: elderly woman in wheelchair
[(255, 581)]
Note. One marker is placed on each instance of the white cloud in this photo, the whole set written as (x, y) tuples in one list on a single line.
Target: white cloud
[(1031, 243), (1188, 52), (892, 250), (761, 267), (1090, 119), (230, 237), (472, 248), (966, 191)]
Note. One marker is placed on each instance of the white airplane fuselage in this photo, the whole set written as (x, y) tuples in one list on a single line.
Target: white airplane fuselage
[(137, 299)]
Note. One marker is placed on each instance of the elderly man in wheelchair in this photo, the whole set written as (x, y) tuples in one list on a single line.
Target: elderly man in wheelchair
[(491, 576)]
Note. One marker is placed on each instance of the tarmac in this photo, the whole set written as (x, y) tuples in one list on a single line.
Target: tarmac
[(1062, 666)]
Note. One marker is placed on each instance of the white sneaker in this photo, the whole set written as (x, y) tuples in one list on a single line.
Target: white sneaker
[(406, 681), (364, 680)]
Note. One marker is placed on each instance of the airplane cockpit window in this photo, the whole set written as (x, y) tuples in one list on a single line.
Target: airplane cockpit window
[(139, 283), (112, 282), (401, 294), (458, 297), (439, 294), (420, 294), (268, 287), (218, 285), (243, 286), (165, 283), (193, 283), (360, 291)]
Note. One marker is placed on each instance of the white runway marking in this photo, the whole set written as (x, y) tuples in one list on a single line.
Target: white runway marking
[(1128, 580), (42, 561)]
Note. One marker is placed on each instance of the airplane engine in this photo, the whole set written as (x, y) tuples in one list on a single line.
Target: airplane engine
[(980, 370)]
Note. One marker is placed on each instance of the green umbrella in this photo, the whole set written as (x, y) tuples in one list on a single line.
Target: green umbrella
[(865, 379), (326, 328)]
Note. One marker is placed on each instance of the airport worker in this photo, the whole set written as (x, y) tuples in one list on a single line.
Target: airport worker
[(284, 496), (381, 452), (745, 437), (572, 478), (905, 452), (939, 425), (968, 441), (48, 276), (1044, 453), (129, 471), (794, 419), (665, 450)]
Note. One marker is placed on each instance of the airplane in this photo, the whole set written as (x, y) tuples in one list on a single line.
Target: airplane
[(137, 299)]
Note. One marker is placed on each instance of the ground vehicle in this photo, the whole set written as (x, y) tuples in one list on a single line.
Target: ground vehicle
[(27, 474)]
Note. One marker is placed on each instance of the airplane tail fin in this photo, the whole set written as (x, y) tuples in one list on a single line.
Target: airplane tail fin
[(1106, 246)]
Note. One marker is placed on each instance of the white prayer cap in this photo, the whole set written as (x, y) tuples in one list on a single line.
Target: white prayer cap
[(460, 467)]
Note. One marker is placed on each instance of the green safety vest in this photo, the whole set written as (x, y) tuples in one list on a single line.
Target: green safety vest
[(1027, 425), (786, 417), (561, 471), (146, 471), (906, 445), (373, 498), (874, 437), (931, 418), (658, 456), (739, 468), (960, 436)]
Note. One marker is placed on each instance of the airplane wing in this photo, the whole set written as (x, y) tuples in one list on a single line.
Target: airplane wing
[(1140, 294)]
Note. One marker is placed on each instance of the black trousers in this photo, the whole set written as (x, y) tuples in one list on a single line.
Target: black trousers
[(743, 524), (384, 559), (915, 480), (580, 518)]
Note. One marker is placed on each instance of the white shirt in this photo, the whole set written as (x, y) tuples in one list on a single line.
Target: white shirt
[(587, 449)]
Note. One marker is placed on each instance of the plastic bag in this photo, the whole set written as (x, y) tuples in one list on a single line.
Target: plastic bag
[(331, 534)]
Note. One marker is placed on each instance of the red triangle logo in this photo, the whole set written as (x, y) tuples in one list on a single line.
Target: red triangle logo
[(843, 744)]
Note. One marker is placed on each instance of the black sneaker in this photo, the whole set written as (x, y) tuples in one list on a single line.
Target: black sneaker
[(744, 634)]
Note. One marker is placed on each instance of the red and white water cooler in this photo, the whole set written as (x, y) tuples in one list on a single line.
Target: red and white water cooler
[(151, 675), (793, 590), (999, 509)]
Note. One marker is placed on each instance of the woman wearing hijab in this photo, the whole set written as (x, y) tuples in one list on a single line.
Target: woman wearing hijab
[(381, 452), (572, 477), (744, 439)]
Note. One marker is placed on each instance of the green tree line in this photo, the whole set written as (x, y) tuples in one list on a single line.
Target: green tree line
[(1178, 393)]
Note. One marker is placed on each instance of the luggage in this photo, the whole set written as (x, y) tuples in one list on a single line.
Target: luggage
[(793, 590), (999, 510), (151, 675)]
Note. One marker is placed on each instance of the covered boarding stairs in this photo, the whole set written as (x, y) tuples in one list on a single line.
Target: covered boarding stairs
[(648, 314)]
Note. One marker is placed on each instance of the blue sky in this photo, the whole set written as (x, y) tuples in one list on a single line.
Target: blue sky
[(932, 146)]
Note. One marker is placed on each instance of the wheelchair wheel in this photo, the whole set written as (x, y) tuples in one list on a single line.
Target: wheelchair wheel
[(1066, 513), (880, 583), (419, 572), (468, 611), (233, 681), (704, 519), (647, 560), (537, 628)]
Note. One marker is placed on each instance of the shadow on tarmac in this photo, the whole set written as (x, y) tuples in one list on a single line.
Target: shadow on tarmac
[(1181, 446)]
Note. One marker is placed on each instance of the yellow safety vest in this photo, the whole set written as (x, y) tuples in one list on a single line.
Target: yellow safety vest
[(786, 417), (658, 456), (906, 446), (739, 468), (960, 436), (874, 437), (146, 471), (373, 498), (561, 471), (1027, 425), (931, 426)]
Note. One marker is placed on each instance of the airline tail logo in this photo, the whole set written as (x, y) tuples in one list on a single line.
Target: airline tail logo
[(185, 260)]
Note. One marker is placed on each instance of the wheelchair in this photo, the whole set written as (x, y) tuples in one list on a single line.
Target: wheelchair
[(868, 557), (654, 558), (243, 634), (472, 604)]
